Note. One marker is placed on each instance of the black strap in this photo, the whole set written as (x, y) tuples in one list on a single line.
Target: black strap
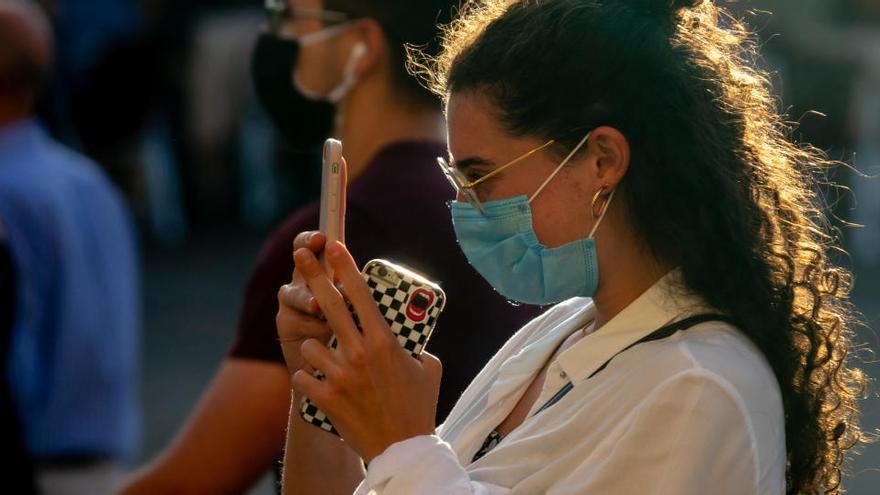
[(662, 333)]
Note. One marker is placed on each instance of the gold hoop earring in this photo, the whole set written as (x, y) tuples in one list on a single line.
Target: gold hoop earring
[(596, 200)]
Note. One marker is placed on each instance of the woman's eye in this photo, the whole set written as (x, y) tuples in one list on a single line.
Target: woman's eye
[(477, 173), (474, 176)]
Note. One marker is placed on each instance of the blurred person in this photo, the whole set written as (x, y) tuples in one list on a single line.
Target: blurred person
[(101, 60), (218, 96), (626, 162), (350, 54), (302, 124), (72, 339)]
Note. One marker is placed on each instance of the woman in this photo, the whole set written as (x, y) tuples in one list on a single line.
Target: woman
[(621, 158)]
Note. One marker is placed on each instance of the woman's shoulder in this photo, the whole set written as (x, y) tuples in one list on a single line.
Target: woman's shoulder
[(718, 363), (725, 351), (717, 354)]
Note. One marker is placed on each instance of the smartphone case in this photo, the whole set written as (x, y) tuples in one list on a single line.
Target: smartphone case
[(410, 304)]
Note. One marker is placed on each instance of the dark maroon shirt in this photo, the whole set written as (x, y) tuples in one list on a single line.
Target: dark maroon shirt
[(397, 210)]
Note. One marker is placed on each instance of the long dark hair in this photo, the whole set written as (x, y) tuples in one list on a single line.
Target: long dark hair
[(714, 185)]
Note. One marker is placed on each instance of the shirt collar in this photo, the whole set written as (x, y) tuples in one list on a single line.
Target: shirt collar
[(575, 313), (665, 302)]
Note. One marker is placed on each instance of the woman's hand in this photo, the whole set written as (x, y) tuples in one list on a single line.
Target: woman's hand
[(299, 317), (375, 393)]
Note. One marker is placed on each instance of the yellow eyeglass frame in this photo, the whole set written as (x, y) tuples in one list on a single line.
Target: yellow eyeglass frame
[(462, 185)]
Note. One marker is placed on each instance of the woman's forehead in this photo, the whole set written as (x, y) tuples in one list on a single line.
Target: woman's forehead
[(470, 121), (467, 109), (474, 130)]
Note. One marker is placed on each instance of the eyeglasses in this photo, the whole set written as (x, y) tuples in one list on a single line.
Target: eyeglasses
[(466, 188), (278, 13)]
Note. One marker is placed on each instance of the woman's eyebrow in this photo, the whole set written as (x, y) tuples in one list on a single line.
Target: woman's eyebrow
[(465, 163)]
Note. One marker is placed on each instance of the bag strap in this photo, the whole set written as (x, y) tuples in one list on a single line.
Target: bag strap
[(659, 334)]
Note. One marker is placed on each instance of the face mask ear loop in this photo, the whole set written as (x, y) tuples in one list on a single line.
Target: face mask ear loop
[(567, 158), (604, 211), (323, 34), (349, 77), (311, 39)]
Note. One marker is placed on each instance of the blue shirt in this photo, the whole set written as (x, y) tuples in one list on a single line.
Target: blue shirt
[(73, 357)]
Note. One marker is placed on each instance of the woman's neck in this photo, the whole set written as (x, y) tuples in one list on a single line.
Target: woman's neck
[(626, 271)]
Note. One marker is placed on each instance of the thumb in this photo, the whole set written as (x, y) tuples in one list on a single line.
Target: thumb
[(433, 366)]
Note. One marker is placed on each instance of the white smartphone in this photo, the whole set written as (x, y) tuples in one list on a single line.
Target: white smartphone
[(332, 195)]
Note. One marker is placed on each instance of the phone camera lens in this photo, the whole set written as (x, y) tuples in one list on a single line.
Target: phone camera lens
[(383, 272)]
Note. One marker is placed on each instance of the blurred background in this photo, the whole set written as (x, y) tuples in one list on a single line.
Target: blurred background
[(159, 93)]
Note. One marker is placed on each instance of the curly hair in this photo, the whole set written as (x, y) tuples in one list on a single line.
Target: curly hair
[(714, 186)]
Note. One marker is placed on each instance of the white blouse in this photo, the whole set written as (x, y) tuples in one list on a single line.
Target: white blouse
[(696, 413)]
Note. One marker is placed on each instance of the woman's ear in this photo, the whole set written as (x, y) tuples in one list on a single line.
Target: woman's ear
[(372, 44), (611, 151)]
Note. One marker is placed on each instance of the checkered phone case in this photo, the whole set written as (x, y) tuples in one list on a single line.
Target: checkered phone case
[(410, 303)]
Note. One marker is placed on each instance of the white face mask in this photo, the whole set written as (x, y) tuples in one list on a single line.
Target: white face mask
[(349, 78)]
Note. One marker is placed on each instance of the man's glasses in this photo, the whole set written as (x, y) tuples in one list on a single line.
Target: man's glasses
[(278, 13), (466, 188)]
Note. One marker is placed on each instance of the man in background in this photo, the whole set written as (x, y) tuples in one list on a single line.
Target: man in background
[(71, 285), (349, 54)]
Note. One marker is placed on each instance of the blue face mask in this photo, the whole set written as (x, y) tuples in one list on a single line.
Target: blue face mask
[(502, 246)]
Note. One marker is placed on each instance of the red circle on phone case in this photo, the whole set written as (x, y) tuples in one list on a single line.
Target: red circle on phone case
[(416, 313)]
